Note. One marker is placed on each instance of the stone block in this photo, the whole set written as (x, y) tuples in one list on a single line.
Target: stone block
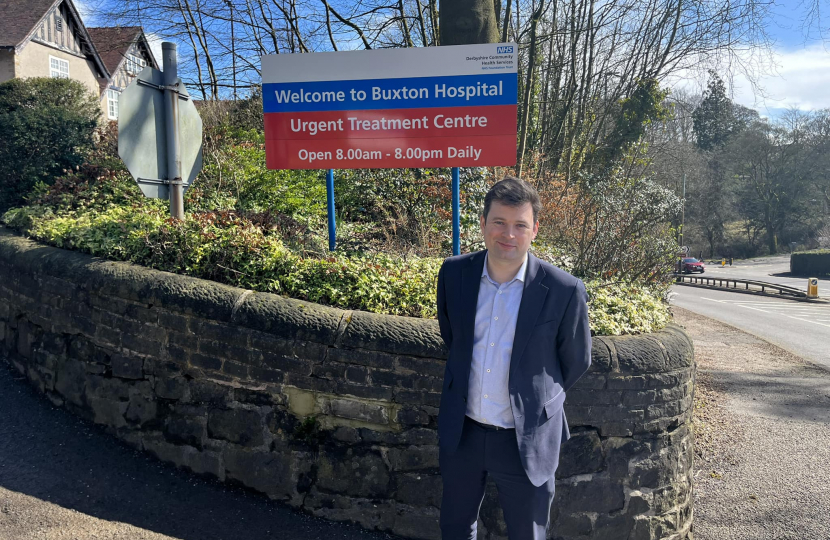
[(141, 409), (165, 451), (80, 348), (141, 313), (233, 369), (411, 416), (309, 383), (356, 410), (239, 426), (71, 381), (26, 336), (266, 375), (362, 391), (422, 366), (597, 494), (187, 430), (571, 525), (601, 359), (581, 454), (579, 396), (347, 435), (172, 321), (227, 334), (363, 357), (107, 388), (108, 412), (413, 458), (269, 396), (127, 367), (204, 391), (413, 397), (183, 339), (639, 354), (171, 388), (201, 361), (266, 472), (308, 350), (206, 463), (417, 523), (53, 344), (329, 370), (357, 374), (619, 452), (612, 527), (356, 474), (110, 336), (418, 489), (419, 437)]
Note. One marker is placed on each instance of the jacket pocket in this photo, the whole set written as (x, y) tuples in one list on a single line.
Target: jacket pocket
[(554, 406)]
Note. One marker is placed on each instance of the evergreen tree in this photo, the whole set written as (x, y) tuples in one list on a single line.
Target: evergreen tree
[(714, 119)]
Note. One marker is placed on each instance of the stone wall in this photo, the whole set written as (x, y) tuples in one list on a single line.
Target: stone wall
[(330, 411)]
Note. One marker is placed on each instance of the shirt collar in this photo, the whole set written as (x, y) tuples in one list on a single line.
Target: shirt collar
[(520, 275)]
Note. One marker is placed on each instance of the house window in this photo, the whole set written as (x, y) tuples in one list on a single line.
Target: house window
[(58, 23), (135, 64), (58, 68), (112, 103)]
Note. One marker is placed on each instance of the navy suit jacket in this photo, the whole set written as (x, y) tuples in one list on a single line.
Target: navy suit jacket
[(551, 350)]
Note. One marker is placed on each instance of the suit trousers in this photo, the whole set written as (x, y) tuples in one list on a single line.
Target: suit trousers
[(485, 451)]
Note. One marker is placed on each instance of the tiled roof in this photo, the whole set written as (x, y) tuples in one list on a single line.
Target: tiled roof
[(113, 43), (19, 17)]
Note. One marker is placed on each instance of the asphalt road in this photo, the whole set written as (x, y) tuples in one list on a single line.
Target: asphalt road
[(63, 478), (769, 269), (799, 327)]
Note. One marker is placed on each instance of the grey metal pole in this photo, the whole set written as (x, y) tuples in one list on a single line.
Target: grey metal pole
[(171, 127)]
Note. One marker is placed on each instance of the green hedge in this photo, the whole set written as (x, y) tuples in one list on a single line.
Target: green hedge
[(810, 263), (46, 126), (229, 248)]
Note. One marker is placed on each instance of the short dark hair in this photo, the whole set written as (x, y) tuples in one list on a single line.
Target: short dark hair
[(513, 191)]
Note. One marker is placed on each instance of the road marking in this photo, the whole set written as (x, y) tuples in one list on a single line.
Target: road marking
[(773, 306)]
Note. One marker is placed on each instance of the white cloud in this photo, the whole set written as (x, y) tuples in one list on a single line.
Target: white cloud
[(783, 79)]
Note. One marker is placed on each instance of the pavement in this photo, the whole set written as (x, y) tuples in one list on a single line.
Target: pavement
[(762, 437), (64, 478)]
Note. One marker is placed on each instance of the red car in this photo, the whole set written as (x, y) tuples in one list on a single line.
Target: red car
[(690, 265)]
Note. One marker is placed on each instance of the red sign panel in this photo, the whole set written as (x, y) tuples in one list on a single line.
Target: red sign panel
[(373, 124), (360, 153)]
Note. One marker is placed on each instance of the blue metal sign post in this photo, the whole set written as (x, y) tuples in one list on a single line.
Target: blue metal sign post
[(456, 213), (330, 199)]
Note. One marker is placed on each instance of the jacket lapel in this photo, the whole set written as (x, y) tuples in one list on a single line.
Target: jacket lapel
[(533, 298)]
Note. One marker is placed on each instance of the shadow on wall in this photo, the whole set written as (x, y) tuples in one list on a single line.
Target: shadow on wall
[(50, 455)]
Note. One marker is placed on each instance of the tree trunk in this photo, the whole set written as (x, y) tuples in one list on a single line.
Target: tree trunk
[(464, 22)]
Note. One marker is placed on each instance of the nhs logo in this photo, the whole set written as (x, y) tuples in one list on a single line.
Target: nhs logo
[(504, 50)]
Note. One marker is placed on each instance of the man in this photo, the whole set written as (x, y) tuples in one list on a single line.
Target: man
[(517, 333)]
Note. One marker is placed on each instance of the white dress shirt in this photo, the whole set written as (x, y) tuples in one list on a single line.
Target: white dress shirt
[(488, 397)]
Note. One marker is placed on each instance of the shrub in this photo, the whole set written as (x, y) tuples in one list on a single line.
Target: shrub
[(614, 224), (810, 263), (46, 126), (265, 230)]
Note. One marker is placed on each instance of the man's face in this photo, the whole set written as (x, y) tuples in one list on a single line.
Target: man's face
[(508, 231)]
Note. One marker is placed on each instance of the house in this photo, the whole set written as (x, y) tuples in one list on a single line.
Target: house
[(125, 52), (47, 38)]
